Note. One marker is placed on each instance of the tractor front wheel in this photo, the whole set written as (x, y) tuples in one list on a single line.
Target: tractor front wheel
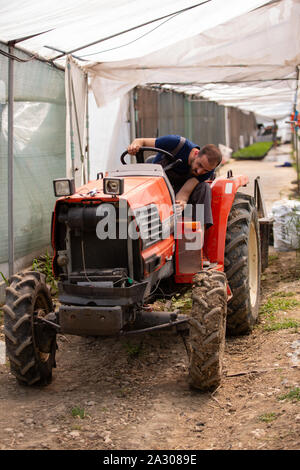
[(207, 330), (31, 355)]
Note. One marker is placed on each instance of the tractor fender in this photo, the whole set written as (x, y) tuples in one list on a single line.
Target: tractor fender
[(223, 194)]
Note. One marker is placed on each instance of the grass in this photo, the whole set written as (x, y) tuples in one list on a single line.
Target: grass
[(280, 303), (293, 394), (254, 151), (282, 325)]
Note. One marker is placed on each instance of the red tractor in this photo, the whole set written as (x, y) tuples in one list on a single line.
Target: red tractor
[(114, 240)]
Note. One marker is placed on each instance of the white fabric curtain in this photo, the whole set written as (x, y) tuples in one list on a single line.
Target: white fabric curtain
[(109, 134)]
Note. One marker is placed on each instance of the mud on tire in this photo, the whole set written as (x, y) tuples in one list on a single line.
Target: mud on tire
[(207, 330), (26, 298), (243, 265)]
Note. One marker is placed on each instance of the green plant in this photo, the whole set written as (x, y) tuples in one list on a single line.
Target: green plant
[(255, 151), (293, 394), (78, 412), (4, 278), (267, 417), (43, 264)]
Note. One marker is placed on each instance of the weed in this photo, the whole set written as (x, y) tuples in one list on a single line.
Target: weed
[(182, 302), (133, 350), (268, 417), (43, 264), (293, 394), (78, 412)]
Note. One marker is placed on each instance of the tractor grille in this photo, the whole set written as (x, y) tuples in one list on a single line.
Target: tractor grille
[(149, 224)]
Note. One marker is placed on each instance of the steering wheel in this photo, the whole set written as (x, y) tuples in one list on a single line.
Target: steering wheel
[(140, 154)]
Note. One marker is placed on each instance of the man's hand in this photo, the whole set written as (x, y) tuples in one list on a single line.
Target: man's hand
[(179, 206), (185, 191), (136, 144)]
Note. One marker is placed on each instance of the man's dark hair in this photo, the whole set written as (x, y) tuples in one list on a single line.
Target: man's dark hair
[(213, 154)]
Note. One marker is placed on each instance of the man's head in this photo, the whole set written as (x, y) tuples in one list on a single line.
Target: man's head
[(204, 160)]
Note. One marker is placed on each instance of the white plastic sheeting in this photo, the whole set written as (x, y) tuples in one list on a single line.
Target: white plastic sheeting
[(217, 41), (70, 24), (246, 61), (237, 53), (76, 84)]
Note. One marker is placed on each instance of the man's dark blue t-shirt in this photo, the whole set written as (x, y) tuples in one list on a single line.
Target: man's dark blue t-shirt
[(169, 143)]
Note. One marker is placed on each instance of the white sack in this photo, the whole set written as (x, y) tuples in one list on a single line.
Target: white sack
[(286, 227)]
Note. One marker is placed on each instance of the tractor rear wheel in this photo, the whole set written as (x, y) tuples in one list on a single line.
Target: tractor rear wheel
[(207, 329), (243, 265), (31, 356)]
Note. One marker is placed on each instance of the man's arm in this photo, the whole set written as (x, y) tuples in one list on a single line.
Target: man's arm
[(136, 144), (185, 191)]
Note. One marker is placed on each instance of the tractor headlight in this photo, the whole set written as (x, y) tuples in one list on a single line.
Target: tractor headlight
[(113, 186), (63, 187)]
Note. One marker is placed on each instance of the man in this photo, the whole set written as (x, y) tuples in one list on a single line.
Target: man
[(274, 133), (188, 178)]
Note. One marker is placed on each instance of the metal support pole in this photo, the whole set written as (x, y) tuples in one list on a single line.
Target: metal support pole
[(10, 169), (227, 128), (71, 121), (87, 150), (296, 131), (132, 120), (297, 159)]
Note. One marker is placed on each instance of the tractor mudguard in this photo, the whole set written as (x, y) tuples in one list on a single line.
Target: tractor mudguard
[(223, 194)]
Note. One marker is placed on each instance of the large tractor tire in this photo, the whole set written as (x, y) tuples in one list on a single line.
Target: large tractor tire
[(207, 330), (243, 265), (31, 351)]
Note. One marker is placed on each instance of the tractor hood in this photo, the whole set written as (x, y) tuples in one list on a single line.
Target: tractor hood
[(143, 184)]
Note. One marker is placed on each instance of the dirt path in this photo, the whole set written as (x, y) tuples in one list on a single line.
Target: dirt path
[(133, 394)]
